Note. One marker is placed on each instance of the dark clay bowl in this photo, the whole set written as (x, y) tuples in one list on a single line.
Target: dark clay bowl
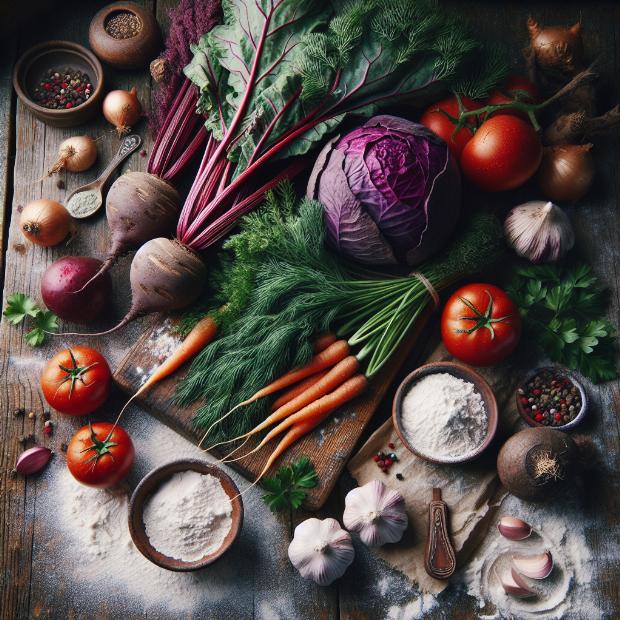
[(132, 53), (149, 485), (564, 372), (462, 372), (57, 54)]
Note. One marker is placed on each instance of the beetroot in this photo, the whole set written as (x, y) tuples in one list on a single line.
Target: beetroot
[(64, 278)]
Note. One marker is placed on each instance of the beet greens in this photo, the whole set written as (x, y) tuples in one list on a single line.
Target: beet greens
[(279, 75)]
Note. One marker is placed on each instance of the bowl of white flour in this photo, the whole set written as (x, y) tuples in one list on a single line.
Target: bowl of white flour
[(445, 413), (185, 515)]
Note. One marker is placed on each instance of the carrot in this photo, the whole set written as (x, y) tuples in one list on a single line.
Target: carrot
[(323, 341), (201, 335), (318, 409), (327, 358), (296, 390)]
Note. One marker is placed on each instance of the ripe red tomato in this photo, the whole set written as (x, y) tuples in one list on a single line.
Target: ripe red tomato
[(100, 455), (503, 154), (516, 87), (480, 325), (435, 119), (76, 381)]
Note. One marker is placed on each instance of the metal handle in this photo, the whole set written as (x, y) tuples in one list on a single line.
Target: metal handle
[(128, 145)]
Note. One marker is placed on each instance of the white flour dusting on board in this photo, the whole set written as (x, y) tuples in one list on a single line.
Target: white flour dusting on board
[(566, 593)]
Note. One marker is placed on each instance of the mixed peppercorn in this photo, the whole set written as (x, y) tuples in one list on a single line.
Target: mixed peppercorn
[(385, 460), (63, 89), (550, 398)]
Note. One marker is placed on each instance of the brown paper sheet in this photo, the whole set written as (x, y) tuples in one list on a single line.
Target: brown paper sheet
[(471, 490)]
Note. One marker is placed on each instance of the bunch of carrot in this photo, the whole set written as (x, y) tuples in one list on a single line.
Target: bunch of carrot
[(331, 379)]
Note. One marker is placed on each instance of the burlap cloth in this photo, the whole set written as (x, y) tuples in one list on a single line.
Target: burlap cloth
[(472, 490)]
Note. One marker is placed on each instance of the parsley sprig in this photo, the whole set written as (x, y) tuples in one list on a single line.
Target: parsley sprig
[(564, 309), (19, 307), (289, 486)]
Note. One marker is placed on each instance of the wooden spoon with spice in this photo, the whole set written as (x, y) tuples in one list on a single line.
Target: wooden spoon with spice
[(439, 557)]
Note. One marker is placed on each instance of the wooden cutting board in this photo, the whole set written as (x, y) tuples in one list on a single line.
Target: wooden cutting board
[(328, 447)]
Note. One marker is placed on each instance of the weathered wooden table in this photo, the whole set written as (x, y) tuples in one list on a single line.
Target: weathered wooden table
[(255, 580)]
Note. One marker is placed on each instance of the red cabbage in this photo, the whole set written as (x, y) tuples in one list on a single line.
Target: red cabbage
[(390, 189)]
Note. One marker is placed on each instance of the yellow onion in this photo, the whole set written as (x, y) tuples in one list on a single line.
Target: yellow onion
[(122, 108), (75, 154), (45, 222), (566, 172)]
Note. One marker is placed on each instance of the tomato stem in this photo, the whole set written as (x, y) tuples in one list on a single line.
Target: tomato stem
[(100, 447), (481, 320)]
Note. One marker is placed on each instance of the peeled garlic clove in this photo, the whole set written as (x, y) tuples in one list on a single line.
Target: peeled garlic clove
[(515, 585), (376, 513), (33, 460), (513, 528), (536, 566), (321, 550), (539, 231)]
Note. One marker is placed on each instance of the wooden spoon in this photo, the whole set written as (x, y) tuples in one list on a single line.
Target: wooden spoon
[(91, 198), (439, 557)]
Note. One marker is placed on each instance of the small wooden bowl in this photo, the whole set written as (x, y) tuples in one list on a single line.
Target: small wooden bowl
[(573, 379), (462, 372), (32, 65), (149, 485), (132, 53)]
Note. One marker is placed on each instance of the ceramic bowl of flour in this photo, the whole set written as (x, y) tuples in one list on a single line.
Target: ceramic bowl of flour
[(185, 515), (445, 413)]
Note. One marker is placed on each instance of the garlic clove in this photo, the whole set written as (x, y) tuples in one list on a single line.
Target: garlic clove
[(376, 512), (33, 460), (321, 550), (539, 231), (513, 528), (537, 566), (515, 585)]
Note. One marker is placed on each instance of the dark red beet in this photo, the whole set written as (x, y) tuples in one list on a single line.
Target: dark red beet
[(67, 275)]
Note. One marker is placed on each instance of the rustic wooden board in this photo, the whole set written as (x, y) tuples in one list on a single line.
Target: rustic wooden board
[(328, 447)]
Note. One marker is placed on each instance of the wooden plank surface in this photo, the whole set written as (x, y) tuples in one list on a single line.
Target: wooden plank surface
[(33, 581), (328, 447)]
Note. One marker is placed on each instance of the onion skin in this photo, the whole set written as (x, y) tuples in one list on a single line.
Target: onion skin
[(122, 109), (45, 222), (75, 154), (517, 457), (558, 48), (566, 172)]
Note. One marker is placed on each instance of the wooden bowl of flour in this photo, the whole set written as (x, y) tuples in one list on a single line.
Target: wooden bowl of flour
[(149, 485), (461, 372)]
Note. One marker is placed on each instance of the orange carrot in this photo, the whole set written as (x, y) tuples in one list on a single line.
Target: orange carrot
[(296, 390), (201, 335), (318, 409), (323, 341), (327, 358)]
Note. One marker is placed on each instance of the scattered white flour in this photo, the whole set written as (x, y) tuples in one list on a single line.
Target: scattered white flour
[(189, 516), (444, 416), (414, 609), (566, 593)]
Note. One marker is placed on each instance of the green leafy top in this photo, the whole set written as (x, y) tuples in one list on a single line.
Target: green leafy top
[(564, 314), (19, 306), (296, 68), (289, 486)]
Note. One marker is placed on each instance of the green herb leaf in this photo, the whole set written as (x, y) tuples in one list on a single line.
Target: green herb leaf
[(19, 306), (563, 309), (288, 487), (43, 323)]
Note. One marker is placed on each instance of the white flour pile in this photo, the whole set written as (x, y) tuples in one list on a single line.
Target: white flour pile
[(444, 416), (189, 516)]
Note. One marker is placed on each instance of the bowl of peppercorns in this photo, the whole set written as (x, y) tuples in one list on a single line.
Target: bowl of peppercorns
[(552, 396), (60, 82)]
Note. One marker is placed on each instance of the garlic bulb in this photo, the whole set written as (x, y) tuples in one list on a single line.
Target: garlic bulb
[(376, 512), (321, 550), (539, 231)]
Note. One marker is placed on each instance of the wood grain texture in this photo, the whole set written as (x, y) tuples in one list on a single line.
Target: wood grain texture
[(30, 584), (328, 447)]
